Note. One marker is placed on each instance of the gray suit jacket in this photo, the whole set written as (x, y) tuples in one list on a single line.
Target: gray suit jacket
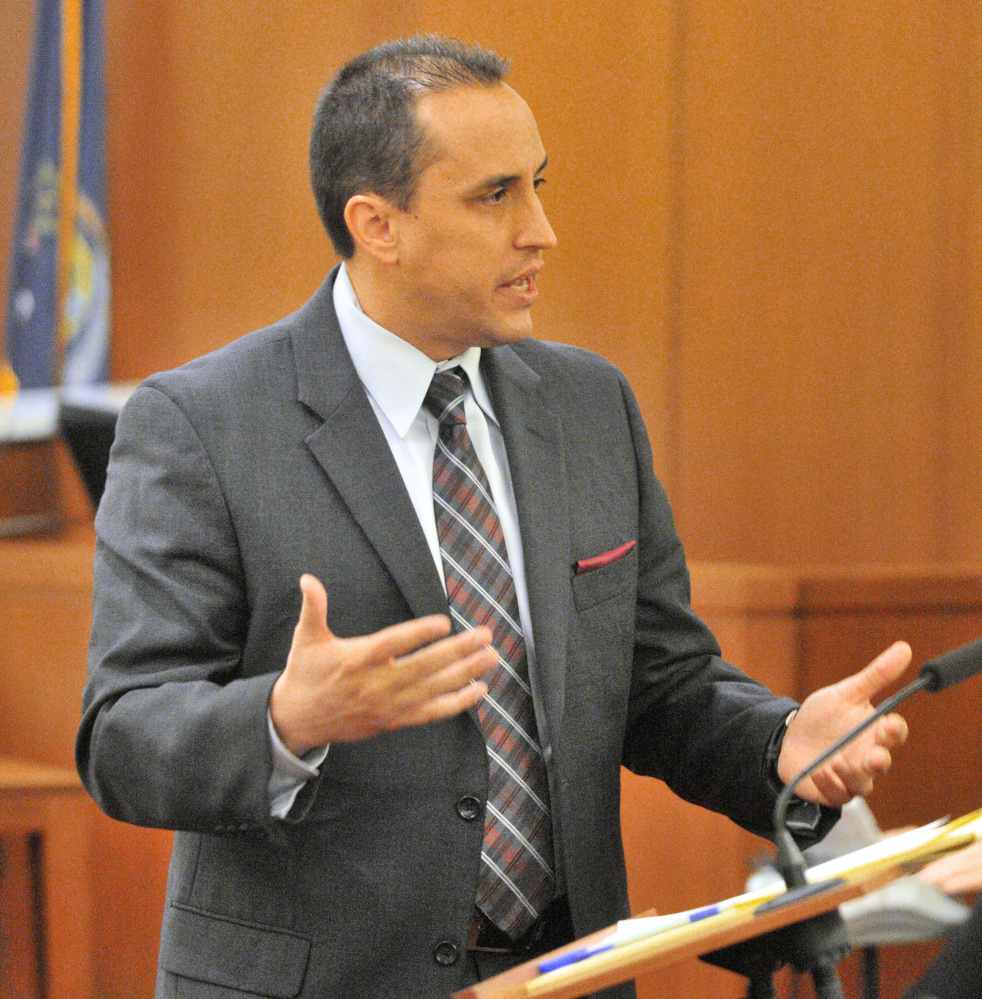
[(238, 472)]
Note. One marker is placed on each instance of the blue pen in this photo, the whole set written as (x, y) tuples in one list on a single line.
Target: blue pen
[(573, 957), (630, 930)]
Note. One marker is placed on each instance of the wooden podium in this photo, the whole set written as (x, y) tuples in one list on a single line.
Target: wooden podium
[(694, 940)]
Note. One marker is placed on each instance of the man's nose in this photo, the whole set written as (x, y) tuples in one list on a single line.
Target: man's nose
[(535, 230)]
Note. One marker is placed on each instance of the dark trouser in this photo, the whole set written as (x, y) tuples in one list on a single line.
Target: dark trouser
[(482, 965)]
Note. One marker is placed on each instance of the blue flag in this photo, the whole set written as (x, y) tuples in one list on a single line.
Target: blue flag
[(32, 328)]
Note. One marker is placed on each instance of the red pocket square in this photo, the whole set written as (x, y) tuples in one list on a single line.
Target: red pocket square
[(598, 561)]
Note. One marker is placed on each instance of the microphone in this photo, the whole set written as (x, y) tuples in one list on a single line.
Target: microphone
[(953, 667), (937, 674)]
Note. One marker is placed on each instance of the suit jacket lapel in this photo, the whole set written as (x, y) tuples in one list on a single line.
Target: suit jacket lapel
[(535, 444), (351, 448)]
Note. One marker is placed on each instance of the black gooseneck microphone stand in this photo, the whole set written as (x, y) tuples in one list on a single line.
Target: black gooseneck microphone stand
[(816, 945)]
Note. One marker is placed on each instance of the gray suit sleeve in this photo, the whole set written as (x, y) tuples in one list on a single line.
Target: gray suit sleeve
[(173, 734), (697, 722)]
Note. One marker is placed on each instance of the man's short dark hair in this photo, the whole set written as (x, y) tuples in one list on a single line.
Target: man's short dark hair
[(365, 135)]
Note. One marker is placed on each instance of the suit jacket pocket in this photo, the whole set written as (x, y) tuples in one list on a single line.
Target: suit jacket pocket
[(592, 588), (233, 955)]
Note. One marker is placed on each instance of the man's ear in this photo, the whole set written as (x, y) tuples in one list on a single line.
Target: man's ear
[(372, 222)]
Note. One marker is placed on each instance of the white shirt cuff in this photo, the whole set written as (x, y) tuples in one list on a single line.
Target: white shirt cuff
[(290, 772)]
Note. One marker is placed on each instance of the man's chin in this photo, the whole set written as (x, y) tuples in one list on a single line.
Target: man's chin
[(505, 333), (487, 334)]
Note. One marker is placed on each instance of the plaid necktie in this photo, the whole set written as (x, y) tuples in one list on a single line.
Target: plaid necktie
[(517, 879)]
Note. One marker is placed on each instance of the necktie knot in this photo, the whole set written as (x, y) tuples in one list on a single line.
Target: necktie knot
[(445, 396)]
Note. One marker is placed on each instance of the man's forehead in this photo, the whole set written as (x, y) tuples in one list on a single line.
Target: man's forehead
[(456, 102), (490, 129)]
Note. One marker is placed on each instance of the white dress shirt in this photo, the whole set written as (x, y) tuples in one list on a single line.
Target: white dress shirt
[(396, 376)]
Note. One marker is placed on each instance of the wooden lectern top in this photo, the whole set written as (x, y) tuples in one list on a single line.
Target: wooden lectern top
[(857, 873), (630, 960)]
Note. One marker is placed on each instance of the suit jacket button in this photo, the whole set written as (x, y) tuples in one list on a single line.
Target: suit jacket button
[(446, 953), (469, 808)]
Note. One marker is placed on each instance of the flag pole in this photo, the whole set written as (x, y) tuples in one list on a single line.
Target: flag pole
[(71, 107)]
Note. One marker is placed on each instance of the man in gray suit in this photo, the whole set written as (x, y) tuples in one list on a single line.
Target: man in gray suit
[(349, 809)]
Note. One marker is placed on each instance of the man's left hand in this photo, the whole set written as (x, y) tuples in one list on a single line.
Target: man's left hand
[(957, 873), (831, 712)]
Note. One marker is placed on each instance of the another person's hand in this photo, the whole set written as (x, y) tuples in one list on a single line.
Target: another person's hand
[(342, 689), (957, 873), (831, 712)]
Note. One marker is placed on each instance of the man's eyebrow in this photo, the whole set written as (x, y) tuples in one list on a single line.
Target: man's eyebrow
[(503, 180)]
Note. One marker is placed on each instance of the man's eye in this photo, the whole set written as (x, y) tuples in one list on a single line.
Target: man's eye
[(497, 195), (538, 182)]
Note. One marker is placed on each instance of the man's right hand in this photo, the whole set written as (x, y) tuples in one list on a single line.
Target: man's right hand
[(342, 689)]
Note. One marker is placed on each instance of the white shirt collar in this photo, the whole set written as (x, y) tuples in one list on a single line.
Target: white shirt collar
[(394, 372)]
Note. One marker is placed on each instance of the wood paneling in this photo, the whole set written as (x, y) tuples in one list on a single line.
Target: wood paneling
[(768, 217), (960, 305), (47, 807), (214, 230), (797, 629), (20, 970), (816, 215), (847, 616)]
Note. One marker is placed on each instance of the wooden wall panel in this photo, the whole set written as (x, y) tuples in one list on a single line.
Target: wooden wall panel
[(960, 305), (20, 973), (814, 206), (849, 615), (797, 629), (16, 24), (16, 29), (46, 593)]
